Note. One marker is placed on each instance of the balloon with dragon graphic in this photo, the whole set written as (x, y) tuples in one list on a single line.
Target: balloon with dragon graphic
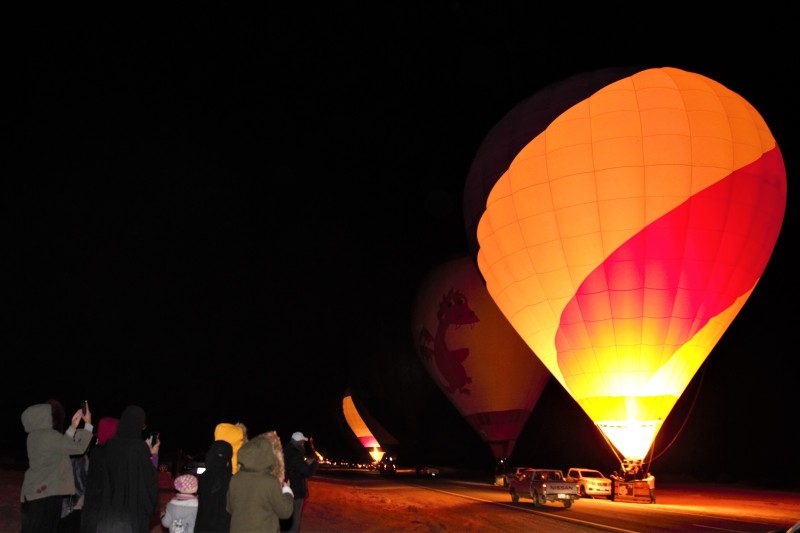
[(474, 355), (621, 218)]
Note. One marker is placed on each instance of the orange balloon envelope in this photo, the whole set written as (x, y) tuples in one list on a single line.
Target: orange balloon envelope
[(474, 355), (621, 228)]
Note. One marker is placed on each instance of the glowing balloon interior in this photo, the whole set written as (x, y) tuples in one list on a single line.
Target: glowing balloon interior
[(624, 236)]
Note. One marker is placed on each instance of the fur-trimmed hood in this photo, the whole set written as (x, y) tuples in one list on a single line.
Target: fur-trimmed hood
[(264, 453)]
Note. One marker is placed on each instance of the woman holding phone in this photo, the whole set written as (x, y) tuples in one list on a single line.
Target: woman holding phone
[(49, 477), (133, 485)]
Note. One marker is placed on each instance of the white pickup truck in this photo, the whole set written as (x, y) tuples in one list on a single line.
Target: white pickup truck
[(543, 485)]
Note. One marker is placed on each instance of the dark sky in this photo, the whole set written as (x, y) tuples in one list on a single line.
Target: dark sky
[(225, 217)]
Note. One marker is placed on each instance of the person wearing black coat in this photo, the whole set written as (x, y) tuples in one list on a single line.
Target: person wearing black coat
[(132, 478), (212, 491), (97, 485), (298, 469)]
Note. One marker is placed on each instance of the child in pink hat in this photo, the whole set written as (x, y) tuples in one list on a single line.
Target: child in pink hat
[(181, 512)]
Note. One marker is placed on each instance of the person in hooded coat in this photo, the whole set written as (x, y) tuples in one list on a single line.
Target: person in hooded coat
[(49, 476), (212, 492), (96, 479), (132, 480), (71, 504), (258, 495)]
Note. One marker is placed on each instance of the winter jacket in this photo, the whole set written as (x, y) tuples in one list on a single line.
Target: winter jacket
[(298, 470), (181, 514), (49, 470), (234, 435), (132, 496), (98, 486), (212, 490), (256, 498)]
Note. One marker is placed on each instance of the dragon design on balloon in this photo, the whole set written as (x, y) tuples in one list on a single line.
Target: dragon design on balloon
[(453, 311)]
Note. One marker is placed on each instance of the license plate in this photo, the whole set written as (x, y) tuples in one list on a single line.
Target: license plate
[(562, 496)]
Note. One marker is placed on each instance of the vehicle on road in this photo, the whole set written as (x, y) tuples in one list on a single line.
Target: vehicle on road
[(591, 482), (543, 485), (427, 471), (193, 467), (387, 466), (192, 464), (513, 473)]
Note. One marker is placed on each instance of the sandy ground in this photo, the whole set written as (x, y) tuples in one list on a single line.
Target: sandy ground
[(332, 506), (350, 506)]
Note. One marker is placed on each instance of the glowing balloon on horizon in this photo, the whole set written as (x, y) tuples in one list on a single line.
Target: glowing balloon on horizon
[(364, 431), (474, 355), (621, 220)]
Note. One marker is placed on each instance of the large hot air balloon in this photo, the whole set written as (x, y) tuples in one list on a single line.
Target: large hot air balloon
[(621, 219), (474, 355), (366, 428)]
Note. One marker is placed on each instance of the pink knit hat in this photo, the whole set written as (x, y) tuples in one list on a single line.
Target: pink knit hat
[(186, 484)]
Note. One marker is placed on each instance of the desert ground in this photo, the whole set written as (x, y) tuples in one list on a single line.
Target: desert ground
[(352, 506)]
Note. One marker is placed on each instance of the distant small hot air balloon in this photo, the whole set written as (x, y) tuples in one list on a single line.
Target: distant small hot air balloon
[(363, 425), (474, 355), (621, 219)]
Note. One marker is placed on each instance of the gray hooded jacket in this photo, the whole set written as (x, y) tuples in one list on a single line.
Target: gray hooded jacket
[(49, 470)]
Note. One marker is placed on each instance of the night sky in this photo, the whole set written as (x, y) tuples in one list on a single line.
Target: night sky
[(226, 217)]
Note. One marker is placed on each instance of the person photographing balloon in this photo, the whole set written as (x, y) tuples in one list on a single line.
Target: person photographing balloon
[(299, 468), (49, 477)]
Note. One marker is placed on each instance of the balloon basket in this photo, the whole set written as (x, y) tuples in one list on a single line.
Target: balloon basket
[(631, 491)]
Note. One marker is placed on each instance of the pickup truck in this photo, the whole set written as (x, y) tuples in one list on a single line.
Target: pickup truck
[(543, 485), (508, 476)]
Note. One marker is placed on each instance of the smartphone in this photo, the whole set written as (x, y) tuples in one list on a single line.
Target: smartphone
[(154, 438), (83, 406)]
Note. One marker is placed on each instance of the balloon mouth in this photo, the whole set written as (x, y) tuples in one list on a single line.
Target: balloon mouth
[(632, 438), (376, 454)]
